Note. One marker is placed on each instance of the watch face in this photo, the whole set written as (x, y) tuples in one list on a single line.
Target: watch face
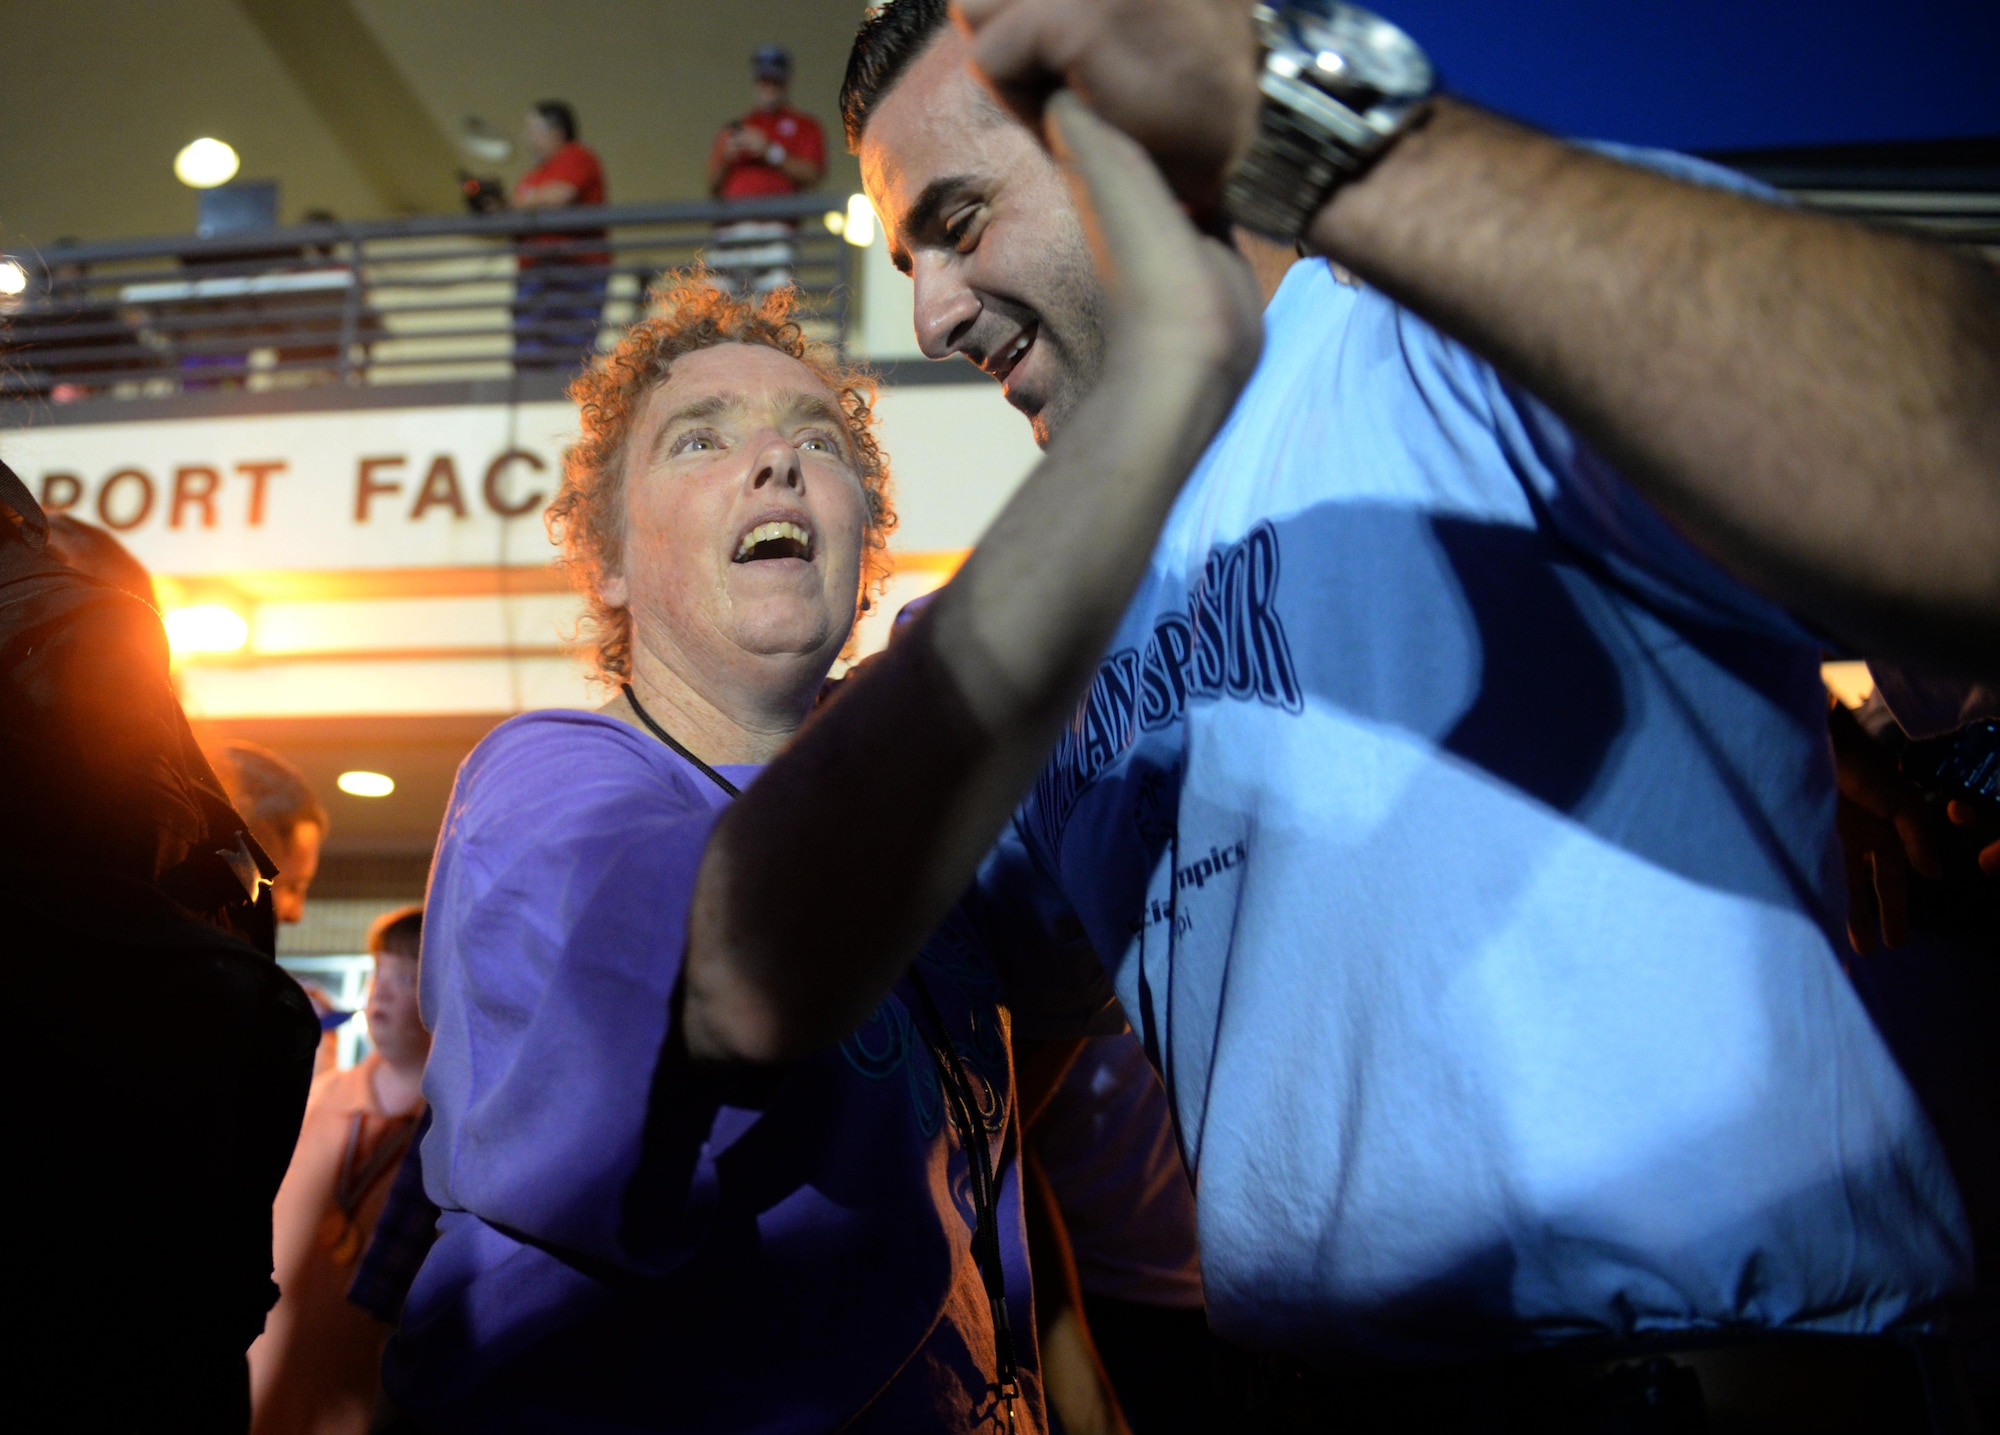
[(1352, 51)]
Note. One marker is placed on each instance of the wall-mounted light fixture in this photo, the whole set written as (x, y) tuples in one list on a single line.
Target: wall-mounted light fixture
[(205, 628), (858, 227), (362, 783)]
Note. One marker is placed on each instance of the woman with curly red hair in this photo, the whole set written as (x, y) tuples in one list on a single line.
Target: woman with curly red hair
[(723, 1130)]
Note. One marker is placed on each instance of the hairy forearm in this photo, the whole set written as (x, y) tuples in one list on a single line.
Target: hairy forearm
[(1815, 404), (556, 194), (821, 882), (802, 172)]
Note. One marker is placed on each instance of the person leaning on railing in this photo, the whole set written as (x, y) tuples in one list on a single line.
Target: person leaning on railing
[(773, 150), (560, 289)]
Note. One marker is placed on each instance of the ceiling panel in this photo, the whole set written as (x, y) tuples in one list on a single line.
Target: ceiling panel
[(96, 96)]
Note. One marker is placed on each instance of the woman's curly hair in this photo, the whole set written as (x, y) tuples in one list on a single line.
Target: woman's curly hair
[(688, 313)]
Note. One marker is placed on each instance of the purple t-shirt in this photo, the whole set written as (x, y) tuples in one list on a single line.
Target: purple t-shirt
[(631, 1241)]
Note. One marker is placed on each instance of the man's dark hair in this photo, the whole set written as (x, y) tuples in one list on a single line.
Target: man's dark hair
[(272, 795), (559, 116), (891, 35), (398, 934)]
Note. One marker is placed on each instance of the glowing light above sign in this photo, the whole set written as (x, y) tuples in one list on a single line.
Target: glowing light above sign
[(858, 228), (365, 784), (206, 163), (13, 278), (206, 628)]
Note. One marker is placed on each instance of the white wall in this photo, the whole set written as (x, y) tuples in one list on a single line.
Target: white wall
[(956, 452), (887, 298)]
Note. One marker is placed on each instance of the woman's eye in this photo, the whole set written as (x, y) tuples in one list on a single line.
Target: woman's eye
[(818, 443), (695, 442)]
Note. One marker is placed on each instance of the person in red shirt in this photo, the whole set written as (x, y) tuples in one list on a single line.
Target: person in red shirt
[(560, 289), (773, 150)]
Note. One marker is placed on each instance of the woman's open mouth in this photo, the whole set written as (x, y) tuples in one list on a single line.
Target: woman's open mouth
[(769, 541)]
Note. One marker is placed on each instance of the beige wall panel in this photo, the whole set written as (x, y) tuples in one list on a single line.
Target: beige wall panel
[(97, 96)]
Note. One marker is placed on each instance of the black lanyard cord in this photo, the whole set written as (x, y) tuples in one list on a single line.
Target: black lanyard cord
[(964, 1112), (668, 738), (960, 1105)]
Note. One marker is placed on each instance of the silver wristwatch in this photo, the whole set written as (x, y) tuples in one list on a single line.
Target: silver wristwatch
[(1339, 84)]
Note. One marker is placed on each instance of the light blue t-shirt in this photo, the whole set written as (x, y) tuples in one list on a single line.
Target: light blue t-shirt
[(1459, 841)]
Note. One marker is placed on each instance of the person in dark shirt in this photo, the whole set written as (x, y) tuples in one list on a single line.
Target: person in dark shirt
[(139, 922), (773, 150), (284, 814), (560, 290)]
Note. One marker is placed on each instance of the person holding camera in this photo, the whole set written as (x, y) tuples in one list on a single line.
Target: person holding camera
[(774, 149)]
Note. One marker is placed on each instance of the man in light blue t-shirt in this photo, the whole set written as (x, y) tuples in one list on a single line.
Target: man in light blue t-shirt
[(1453, 810)]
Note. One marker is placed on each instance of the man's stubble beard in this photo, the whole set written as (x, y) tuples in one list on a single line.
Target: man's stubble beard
[(1078, 310)]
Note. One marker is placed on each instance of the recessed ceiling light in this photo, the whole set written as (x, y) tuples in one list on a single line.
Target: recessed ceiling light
[(360, 783), (206, 163)]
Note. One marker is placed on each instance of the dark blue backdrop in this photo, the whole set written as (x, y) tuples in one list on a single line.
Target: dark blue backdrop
[(1709, 74)]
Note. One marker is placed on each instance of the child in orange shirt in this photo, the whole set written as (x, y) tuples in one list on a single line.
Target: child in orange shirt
[(316, 1370)]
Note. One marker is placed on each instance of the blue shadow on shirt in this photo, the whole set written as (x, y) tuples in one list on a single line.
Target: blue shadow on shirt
[(1538, 667)]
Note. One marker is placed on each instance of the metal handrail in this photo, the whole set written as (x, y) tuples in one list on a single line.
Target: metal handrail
[(386, 301)]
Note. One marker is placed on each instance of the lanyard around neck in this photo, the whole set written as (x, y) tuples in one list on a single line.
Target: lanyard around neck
[(668, 738), (962, 1107)]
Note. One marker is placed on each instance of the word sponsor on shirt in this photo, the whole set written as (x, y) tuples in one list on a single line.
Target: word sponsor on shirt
[(1228, 642)]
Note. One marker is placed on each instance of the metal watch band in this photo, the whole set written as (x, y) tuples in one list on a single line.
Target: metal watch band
[(1307, 144)]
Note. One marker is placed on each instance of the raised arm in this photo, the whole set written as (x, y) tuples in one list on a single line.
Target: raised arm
[(1815, 403), (720, 153), (820, 883)]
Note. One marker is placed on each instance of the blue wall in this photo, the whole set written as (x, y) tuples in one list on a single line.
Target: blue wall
[(1705, 75)]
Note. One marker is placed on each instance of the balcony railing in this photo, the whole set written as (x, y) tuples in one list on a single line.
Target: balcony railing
[(391, 301), (526, 296)]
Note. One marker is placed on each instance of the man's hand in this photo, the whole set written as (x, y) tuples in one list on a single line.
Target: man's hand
[(1886, 832), (795, 935), (1173, 292), (1987, 831), (552, 194), (1881, 851), (1179, 76)]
